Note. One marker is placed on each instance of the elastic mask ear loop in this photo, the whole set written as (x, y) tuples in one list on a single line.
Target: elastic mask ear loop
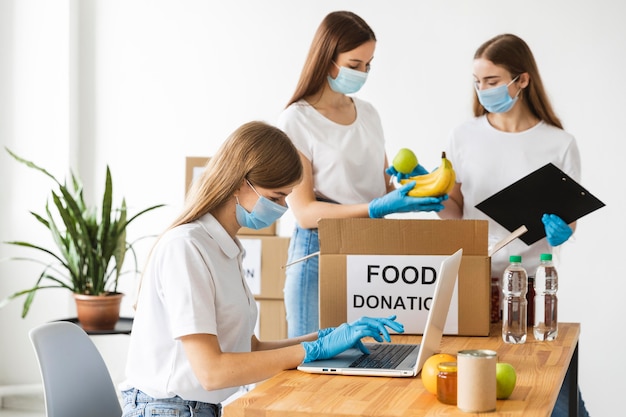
[(338, 68), (253, 189), (513, 80), (519, 90)]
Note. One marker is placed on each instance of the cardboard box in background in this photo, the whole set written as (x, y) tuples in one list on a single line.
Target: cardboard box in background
[(342, 237), (272, 324), (270, 278), (194, 165)]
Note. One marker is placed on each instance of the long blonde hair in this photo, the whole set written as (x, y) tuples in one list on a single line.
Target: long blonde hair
[(256, 151)]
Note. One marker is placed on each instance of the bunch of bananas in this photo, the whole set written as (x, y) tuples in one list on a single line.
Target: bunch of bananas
[(437, 183)]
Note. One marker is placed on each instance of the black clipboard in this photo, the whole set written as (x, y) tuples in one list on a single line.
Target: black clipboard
[(546, 190)]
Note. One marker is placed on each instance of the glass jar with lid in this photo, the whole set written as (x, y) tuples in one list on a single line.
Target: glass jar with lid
[(447, 382)]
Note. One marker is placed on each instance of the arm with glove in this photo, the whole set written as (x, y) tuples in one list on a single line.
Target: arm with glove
[(397, 201), (333, 341)]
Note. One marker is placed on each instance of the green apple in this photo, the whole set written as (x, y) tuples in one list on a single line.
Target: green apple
[(505, 380), (405, 161)]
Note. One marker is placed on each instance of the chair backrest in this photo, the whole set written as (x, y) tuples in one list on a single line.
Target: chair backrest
[(76, 380)]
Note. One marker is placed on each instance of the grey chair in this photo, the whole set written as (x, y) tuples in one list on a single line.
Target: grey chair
[(76, 380)]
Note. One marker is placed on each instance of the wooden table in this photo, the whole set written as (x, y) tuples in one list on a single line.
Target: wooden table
[(541, 369)]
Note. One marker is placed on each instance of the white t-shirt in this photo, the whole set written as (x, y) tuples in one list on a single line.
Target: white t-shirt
[(487, 160), (192, 284), (348, 161)]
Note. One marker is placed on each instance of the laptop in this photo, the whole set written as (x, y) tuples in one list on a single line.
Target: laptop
[(395, 359)]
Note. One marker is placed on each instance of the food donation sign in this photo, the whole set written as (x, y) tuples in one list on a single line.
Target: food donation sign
[(404, 285)]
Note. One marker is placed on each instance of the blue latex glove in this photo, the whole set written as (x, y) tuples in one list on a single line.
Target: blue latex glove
[(323, 332), (557, 231), (418, 170), (397, 201), (349, 335)]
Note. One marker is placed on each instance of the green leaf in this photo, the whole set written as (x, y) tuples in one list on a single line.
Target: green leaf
[(87, 240)]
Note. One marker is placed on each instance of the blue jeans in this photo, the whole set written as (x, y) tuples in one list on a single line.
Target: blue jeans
[(562, 402), (301, 284), (138, 404)]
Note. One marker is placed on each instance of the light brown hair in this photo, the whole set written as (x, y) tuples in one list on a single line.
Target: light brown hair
[(339, 32), (513, 54), (256, 151)]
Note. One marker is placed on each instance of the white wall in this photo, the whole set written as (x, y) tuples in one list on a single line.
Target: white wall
[(140, 84)]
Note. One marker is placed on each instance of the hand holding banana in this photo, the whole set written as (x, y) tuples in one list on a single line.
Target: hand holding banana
[(397, 201), (437, 183)]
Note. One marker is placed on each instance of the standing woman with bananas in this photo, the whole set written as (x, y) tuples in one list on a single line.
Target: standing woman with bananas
[(341, 144), (514, 132)]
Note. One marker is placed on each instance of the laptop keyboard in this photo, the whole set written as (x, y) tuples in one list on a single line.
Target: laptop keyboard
[(383, 356)]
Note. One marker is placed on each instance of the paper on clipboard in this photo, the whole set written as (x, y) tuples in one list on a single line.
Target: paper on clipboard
[(546, 190)]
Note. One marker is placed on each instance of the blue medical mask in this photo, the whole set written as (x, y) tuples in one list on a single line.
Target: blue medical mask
[(497, 99), (263, 214), (348, 80)]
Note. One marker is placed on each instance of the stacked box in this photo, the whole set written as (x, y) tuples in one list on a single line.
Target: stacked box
[(264, 270), (272, 323)]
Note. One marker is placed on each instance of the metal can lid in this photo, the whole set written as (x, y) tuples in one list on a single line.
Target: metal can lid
[(447, 366), (478, 353)]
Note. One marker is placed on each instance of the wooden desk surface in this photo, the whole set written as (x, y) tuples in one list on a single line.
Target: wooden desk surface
[(541, 368)]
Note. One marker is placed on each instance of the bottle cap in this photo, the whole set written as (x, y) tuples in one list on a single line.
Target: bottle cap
[(545, 257), (515, 258)]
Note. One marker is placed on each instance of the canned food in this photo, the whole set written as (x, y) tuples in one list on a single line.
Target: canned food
[(476, 390)]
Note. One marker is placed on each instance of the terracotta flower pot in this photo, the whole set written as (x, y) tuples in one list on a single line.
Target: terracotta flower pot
[(98, 312)]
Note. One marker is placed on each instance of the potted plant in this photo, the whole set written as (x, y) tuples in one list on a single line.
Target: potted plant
[(91, 247)]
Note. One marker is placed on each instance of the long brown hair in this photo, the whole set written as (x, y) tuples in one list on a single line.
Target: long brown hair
[(339, 32), (514, 55), (256, 151)]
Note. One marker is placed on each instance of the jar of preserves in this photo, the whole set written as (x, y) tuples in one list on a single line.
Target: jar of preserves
[(447, 382)]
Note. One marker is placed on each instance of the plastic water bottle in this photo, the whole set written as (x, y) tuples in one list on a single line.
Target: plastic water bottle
[(514, 304), (546, 286)]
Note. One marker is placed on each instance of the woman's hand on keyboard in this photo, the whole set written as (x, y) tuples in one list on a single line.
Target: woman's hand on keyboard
[(381, 324), (349, 335)]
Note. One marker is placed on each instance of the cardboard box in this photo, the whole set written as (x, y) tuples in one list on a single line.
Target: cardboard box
[(267, 231), (263, 264), (341, 238), (272, 324), (194, 165)]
